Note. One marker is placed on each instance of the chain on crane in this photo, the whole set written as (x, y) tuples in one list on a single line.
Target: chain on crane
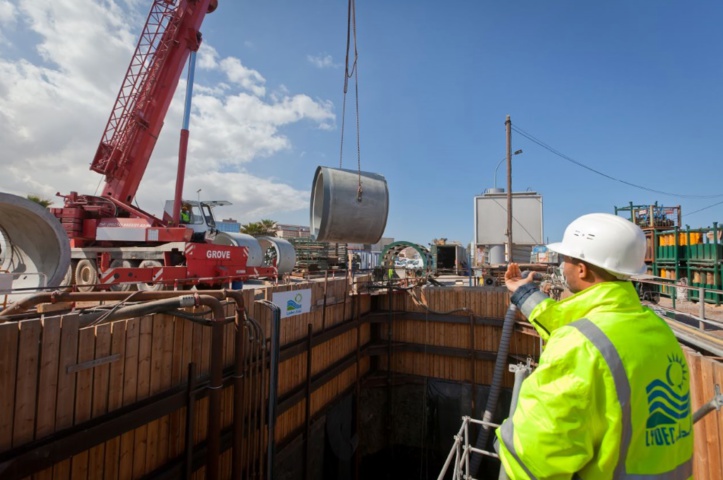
[(348, 72)]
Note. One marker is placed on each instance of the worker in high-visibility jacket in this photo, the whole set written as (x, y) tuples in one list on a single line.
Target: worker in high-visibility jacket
[(610, 398)]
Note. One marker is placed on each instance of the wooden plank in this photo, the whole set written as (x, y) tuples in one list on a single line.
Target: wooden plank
[(9, 334), (166, 383), (27, 381), (66, 384), (699, 430), (718, 380), (712, 440), (101, 378), (48, 378), (45, 308), (145, 346), (187, 358), (156, 372), (174, 427), (115, 396), (130, 394), (83, 396)]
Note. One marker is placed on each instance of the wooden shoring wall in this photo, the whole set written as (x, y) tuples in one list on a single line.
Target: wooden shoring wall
[(462, 319), (58, 378), (56, 375), (705, 373)]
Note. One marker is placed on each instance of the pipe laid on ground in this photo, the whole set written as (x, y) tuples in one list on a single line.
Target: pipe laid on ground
[(60, 296), (273, 380), (715, 403), (238, 396), (496, 386)]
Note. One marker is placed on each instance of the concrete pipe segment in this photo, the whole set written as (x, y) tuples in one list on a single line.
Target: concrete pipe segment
[(339, 214), (255, 254), (279, 253), (34, 247)]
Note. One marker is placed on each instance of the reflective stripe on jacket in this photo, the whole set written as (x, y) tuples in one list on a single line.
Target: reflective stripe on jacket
[(609, 399)]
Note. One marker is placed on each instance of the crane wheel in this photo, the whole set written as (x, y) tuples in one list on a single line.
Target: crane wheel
[(150, 287), (121, 287), (86, 275), (66, 285)]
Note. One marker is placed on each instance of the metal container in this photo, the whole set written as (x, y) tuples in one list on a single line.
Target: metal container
[(496, 254), (340, 214)]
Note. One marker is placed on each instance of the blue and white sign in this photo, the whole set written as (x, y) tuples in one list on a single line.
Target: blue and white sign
[(293, 302)]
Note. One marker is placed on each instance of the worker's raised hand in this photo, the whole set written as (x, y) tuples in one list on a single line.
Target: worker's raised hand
[(513, 277)]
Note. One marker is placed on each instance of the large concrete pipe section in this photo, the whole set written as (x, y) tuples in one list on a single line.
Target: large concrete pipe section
[(256, 255), (279, 253), (340, 213), (33, 245)]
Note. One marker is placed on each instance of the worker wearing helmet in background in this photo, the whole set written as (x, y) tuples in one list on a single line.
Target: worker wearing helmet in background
[(610, 397), (186, 213)]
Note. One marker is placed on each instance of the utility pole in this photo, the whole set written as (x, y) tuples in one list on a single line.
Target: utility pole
[(508, 126)]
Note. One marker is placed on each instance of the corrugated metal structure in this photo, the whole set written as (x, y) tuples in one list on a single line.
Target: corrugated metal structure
[(490, 226)]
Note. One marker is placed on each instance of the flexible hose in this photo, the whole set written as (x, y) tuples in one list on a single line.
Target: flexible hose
[(495, 387)]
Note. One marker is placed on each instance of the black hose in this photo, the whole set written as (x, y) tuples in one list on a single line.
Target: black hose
[(495, 387)]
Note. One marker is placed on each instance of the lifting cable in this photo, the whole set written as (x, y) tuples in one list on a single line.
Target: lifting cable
[(348, 72)]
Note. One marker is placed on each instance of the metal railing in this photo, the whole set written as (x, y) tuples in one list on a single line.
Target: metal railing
[(462, 450)]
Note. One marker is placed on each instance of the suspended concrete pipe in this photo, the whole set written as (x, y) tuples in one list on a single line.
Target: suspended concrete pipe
[(33, 245), (342, 212), (279, 253)]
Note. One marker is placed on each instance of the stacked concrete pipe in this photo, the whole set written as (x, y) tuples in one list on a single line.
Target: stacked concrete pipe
[(34, 247)]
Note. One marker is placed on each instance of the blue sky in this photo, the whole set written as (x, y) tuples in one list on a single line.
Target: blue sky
[(632, 89)]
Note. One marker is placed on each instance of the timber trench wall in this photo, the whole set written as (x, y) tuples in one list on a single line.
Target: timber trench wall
[(114, 400)]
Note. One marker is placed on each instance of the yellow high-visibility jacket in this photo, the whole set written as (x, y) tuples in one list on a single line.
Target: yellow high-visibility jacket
[(610, 398)]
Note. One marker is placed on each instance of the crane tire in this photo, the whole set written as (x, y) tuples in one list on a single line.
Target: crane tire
[(150, 287), (121, 287), (86, 275), (66, 285)]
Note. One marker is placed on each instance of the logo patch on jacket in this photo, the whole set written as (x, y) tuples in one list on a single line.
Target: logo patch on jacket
[(669, 405)]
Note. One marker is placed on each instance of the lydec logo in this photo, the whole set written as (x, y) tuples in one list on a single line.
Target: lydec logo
[(225, 255)]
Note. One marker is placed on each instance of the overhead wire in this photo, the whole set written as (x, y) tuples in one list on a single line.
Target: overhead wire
[(551, 149), (704, 208), (348, 73)]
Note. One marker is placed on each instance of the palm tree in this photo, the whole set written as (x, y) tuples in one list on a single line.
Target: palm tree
[(269, 227), (264, 227), (43, 202)]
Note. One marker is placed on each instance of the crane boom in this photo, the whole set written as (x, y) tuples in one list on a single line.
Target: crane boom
[(115, 245), (170, 33)]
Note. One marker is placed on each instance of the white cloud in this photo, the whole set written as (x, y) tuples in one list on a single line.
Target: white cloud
[(8, 13), (322, 60), (55, 102), (207, 57), (245, 77)]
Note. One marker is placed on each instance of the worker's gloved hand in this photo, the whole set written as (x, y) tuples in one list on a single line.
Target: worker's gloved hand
[(514, 278), (525, 292)]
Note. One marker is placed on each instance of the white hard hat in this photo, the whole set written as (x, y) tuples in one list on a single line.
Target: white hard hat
[(607, 241)]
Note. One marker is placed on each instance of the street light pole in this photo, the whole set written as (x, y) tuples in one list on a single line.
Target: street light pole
[(516, 152), (508, 125)]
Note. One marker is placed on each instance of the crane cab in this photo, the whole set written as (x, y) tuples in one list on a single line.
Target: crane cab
[(200, 216)]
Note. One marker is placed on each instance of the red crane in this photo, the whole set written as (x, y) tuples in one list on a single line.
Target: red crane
[(113, 241)]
